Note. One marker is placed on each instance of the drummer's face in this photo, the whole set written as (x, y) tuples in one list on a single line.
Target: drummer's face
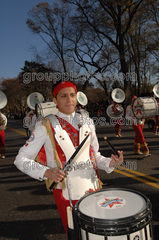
[(66, 100)]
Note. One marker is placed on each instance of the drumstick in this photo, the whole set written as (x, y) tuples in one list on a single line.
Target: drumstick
[(111, 146), (72, 157)]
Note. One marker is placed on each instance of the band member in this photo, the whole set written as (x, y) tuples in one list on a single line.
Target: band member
[(157, 121), (116, 109), (3, 123), (54, 140), (25, 126), (99, 112), (140, 146), (29, 122)]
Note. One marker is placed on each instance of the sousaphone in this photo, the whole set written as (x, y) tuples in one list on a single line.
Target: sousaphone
[(118, 96), (81, 98), (156, 90), (33, 99), (3, 100)]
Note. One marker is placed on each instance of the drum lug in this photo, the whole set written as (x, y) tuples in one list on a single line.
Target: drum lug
[(75, 207)]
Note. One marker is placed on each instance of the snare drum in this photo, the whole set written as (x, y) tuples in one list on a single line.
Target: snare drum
[(46, 108), (145, 107), (114, 214)]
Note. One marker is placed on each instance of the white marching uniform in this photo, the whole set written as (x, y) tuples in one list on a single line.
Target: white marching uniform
[(78, 181), (25, 159)]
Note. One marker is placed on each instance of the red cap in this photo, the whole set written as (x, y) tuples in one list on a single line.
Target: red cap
[(62, 85)]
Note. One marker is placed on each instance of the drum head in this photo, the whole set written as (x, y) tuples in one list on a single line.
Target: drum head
[(112, 204), (138, 108)]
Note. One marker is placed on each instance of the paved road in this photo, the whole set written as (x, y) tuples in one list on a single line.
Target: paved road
[(28, 211)]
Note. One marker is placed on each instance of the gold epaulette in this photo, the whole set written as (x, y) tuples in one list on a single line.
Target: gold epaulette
[(46, 123)]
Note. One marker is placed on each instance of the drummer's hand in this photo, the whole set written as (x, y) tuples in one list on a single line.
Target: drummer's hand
[(115, 160), (54, 174)]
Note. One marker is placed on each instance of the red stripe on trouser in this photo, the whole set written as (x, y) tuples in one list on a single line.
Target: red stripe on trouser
[(62, 204), (2, 139), (139, 137), (157, 120)]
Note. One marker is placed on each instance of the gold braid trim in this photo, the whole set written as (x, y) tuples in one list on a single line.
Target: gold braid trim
[(100, 184), (46, 123), (37, 158)]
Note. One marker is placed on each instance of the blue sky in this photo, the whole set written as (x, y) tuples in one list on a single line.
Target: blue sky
[(15, 36)]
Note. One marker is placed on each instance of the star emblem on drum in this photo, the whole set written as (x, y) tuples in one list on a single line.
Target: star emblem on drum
[(138, 108), (111, 202), (138, 105)]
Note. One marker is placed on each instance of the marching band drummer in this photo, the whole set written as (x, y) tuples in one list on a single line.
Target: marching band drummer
[(116, 108), (140, 146), (30, 121), (3, 123), (54, 140)]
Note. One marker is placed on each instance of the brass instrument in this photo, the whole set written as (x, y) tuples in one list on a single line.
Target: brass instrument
[(118, 96)]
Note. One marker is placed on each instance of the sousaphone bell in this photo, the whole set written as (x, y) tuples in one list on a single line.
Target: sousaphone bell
[(156, 90), (3, 100), (118, 95), (81, 98), (33, 99)]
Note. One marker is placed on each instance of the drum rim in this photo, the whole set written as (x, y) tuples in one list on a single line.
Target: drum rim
[(130, 218)]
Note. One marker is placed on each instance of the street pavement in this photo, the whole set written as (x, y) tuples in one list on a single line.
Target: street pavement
[(28, 210)]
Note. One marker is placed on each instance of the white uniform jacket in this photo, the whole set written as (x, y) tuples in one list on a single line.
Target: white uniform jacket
[(25, 159)]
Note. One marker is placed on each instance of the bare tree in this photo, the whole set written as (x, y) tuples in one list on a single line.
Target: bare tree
[(96, 35), (111, 21), (50, 23)]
